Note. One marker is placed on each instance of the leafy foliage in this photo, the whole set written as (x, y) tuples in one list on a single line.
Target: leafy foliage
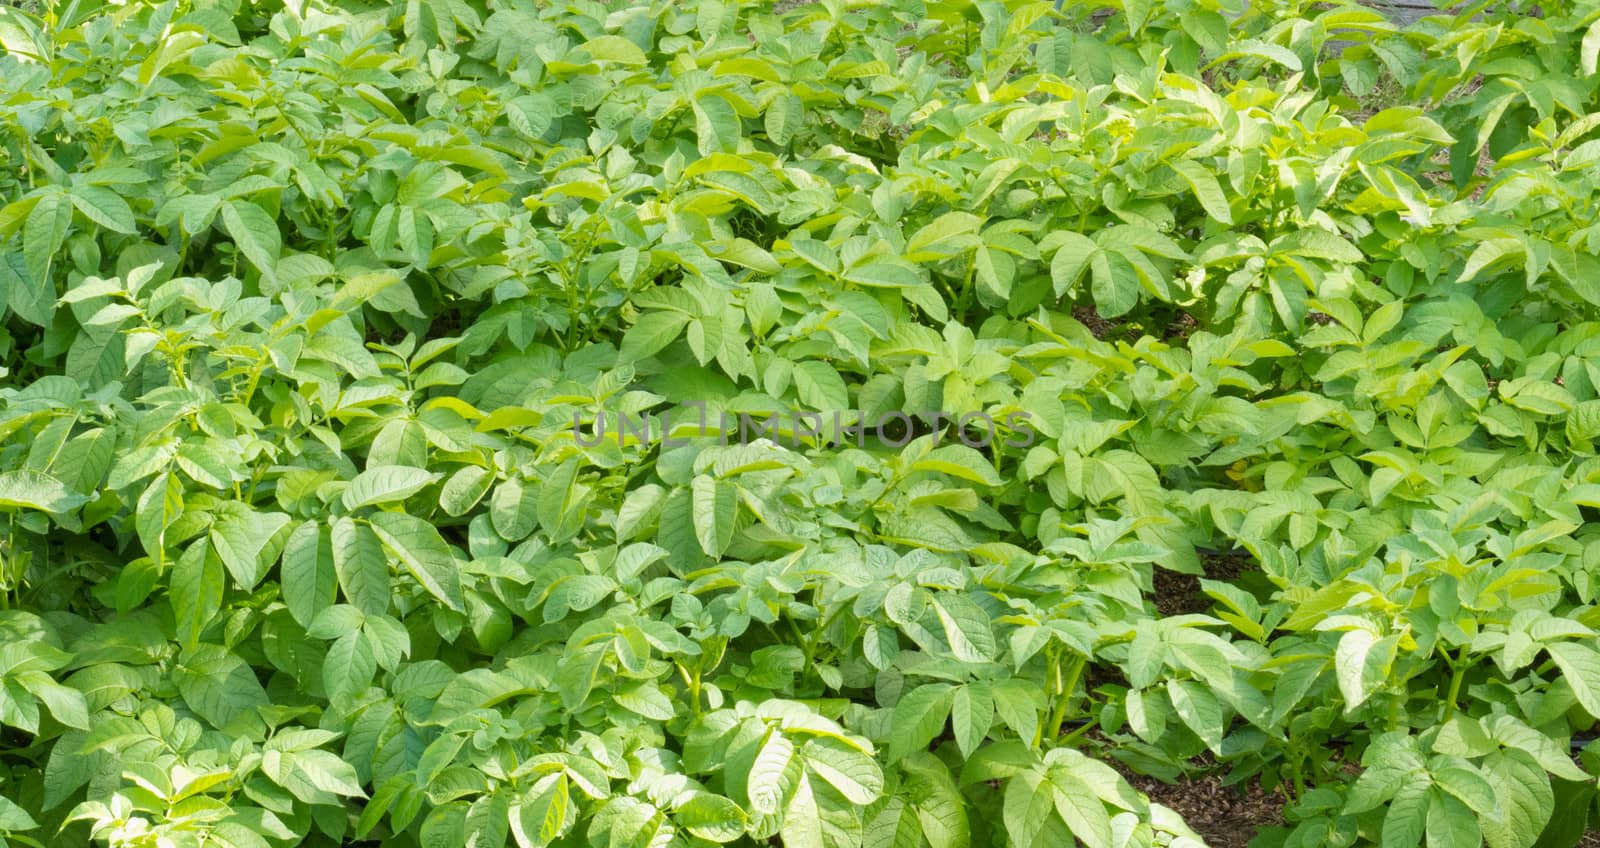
[(315, 314)]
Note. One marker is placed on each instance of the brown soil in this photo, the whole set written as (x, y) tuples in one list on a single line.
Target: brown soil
[(1180, 328), (1226, 816), (1179, 594), (1089, 317)]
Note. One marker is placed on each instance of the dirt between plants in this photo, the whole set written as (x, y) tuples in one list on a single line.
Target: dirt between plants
[(1179, 594), (1231, 816), (1225, 816)]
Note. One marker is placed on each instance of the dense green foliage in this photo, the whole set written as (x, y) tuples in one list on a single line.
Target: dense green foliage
[(300, 305)]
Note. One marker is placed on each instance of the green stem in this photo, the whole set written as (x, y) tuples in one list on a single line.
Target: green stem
[(1064, 691), (1066, 741), (1458, 672)]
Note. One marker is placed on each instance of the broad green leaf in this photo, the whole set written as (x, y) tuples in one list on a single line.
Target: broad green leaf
[(853, 774), (348, 668), (765, 785), (13, 817), (966, 628), (715, 506), (33, 490), (514, 509), (219, 686), (561, 502), (1199, 710), (385, 484), (945, 236), (424, 554), (918, 718), (1206, 189), (1350, 663), (45, 233), (711, 817), (104, 207), (1525, 798), (1580, 667), (361, 565), (1406, 820), (197, 585), (971, 716), (254, 232), (820, 387), (650, 334), (1113, 282), (959, 461), (1071, 259), (612, 48), (310, 579), (243, 540)]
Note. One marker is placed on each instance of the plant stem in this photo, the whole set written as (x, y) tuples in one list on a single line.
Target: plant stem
[(1064, 692), (1458, 672)]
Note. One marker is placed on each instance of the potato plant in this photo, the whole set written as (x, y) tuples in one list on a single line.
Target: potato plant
[(651, 423)]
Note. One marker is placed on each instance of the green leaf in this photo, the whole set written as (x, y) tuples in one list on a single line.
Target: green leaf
[(242, 538), (765, 785), (13, 817), (310, 578), (948, 235), (783, 118), (1018, 703), (33, 490), (966, 628), (544, 812), (254, 232), (1526, 800), (424, 554), (197, 584), (1206, 189), (66, 704), (919, 717), (1589, 50), (1199, 710), (959, 461), (531, 114), (854, 774), (348, 668), (385, 484), (104, 207), (32, 298), (1406, 821), (219, 686), (361, 566), (971, 716), (711, 817), (612, 48), (1029, 813), (820, 387), (561, 502), (1113, 282), (1071, 258), (465, 488), (1079, 806), (1580, 667), (715, 506), (650, 334), (328, 773), (514, 509), (1350, 666), (45, 233)]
